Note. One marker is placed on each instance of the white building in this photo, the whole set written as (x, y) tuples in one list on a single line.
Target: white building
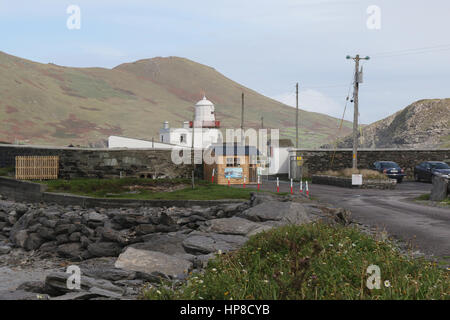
[(204, 127)]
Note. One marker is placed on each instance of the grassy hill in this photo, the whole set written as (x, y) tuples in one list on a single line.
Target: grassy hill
[(55, 105), (423, 124)]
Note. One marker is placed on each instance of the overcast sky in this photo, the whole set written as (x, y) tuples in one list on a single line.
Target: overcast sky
[(265, 45)]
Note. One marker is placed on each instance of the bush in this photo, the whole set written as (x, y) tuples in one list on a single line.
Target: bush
[(314, 261)]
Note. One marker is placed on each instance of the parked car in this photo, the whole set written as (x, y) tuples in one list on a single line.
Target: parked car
[(391, 169), (426, 170)]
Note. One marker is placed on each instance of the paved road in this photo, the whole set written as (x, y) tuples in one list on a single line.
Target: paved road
[(427, 228)]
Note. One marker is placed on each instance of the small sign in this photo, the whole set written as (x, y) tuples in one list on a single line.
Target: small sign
[(357, 179), (233, 173)]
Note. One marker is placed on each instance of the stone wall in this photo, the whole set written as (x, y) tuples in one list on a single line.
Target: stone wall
[(320, 160), (102, 163)]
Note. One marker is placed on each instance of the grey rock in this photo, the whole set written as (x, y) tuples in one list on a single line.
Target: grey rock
[(65, 229), (72, 251), (96, 217), (104, 249), (21, 295), (288, 212), (46, 233), (234, 225), (152, 263), (204, 243), (75, 237), (19, 238), (33, 286), (106, 293), (50, 246), (62, 238), (144, 229), (5, 249), (57, 281), (33, 242), (171, 243), (103, 268)]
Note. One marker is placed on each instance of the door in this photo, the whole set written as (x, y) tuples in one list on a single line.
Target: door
[(252, 173)]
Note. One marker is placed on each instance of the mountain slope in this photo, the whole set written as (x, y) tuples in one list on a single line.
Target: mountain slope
[(50, 104), (423, 124)]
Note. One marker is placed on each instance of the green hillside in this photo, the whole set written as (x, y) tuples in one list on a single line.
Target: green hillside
[(54, 105)]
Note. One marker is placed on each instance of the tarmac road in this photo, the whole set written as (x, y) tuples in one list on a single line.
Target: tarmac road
[(426, 228)]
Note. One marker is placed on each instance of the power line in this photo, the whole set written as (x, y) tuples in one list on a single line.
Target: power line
[(405, 52)]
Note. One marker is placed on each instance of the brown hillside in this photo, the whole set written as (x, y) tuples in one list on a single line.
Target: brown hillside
[(50, 104)]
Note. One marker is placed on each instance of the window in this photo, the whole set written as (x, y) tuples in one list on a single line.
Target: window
[(230, 162), (183, 138), (237, 162)]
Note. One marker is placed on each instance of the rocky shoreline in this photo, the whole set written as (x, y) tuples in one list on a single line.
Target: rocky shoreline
[(119, 251)]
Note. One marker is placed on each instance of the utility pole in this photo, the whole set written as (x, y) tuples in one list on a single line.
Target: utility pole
[(262, 122), (356, 113), (242, 121), (296, 116)]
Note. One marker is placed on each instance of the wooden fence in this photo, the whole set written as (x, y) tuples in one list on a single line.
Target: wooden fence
[(37, 167)]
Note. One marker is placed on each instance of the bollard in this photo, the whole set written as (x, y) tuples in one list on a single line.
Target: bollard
[(307, 190), (244, 183), (278, 185), (258, 183), (292, 188), (212, 177), (301, 186), (228, 181)]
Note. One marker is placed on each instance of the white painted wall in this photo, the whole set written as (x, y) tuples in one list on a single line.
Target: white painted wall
[(279, 160), (122, 142)]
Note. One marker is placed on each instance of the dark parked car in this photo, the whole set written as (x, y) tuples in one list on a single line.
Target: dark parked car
[(426, 170), (391, 169)]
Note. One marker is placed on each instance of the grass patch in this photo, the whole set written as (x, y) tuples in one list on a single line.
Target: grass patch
[(347, 173), (426, 197), (143, 189), (7, 171), (313, 261)]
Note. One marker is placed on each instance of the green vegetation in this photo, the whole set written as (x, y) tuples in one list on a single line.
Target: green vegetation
[(314, 261), (7, 171), (426, 197), (347, 173), (135, 188)]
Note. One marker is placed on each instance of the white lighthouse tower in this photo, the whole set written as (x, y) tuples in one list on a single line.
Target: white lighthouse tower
[(204, 115)]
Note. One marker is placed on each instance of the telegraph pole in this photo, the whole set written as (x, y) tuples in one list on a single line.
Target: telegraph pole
[(296, 116), (262, 122), (355, 114), (242, 120)]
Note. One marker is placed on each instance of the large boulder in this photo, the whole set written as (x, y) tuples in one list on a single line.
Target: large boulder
[(234, 225), (439, 191), (104, 249), (157, 264), (169, 243), (57, 282), (287, 212), (204, 243)]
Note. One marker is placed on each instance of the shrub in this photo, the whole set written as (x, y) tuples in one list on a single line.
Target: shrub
[(314, 261)]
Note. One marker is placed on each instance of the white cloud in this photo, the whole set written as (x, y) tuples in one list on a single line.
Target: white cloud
[(315, 101)]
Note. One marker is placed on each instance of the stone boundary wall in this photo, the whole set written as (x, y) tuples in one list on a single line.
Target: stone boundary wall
[(35, 192), (320, 160), (347, 182), (102, 163)]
